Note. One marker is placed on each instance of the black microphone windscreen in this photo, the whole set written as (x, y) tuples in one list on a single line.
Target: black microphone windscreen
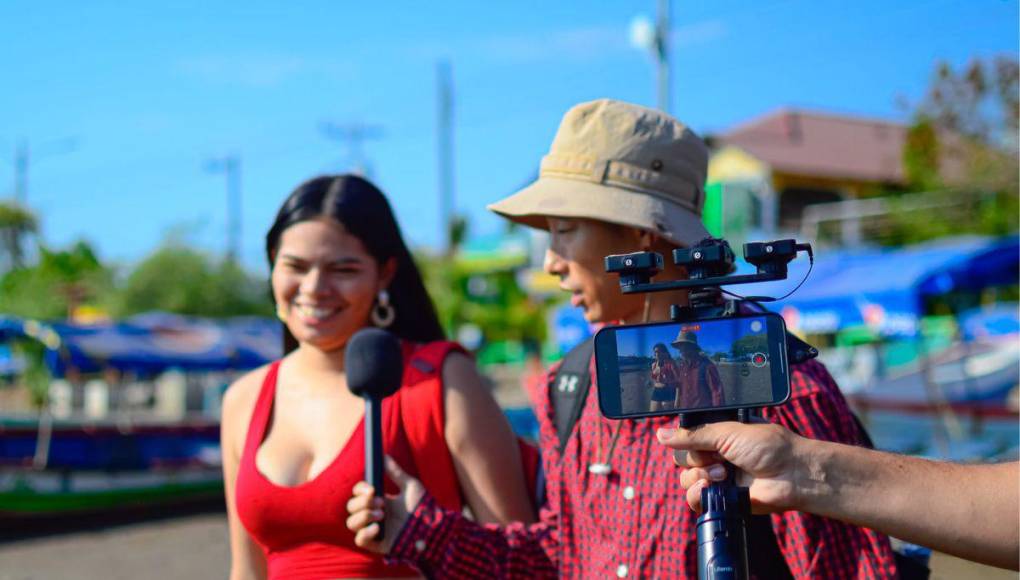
[(373, 363)]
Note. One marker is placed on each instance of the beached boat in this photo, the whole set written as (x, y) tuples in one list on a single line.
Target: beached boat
[(81, 466)]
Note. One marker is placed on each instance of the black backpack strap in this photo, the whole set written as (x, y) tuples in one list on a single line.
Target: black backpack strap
[(569, 390), (798, 351)]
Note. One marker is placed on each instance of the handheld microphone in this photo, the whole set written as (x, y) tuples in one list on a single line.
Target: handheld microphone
[(374, 366)]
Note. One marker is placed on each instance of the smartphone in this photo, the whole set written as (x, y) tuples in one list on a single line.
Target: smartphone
[(665, 368)]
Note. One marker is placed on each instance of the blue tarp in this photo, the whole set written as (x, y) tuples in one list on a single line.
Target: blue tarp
[(11, 327), (884, 289), (153, 342)]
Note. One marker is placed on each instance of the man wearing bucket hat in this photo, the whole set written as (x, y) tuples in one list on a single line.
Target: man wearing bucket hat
[(700, 385), (619, 178)]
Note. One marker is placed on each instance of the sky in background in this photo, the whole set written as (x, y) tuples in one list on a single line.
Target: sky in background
[(150, 91), (713, 336)]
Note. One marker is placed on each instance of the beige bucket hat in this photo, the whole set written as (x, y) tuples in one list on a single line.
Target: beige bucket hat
[(619, 163), (686, 337)]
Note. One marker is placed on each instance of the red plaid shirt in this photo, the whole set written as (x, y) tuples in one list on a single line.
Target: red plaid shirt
[(635, 522), (697, 390)]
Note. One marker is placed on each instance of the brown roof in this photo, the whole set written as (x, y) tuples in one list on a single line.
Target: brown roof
[(823, 145)]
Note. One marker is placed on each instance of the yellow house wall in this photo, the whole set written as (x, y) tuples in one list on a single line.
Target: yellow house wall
[(850, 188), (733, 164)]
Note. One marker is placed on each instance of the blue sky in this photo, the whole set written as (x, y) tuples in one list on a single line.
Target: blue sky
[(715, 336), (150, 91)]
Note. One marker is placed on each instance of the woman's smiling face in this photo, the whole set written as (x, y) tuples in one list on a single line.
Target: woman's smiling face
[(325, 283)]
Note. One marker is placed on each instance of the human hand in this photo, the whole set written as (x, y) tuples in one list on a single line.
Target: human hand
[(366, 509), (766, 455)]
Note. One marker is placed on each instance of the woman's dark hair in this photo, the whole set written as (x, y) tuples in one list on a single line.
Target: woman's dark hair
[(660, 346), (364, 212)]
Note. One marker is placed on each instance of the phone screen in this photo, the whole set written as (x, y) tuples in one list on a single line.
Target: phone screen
[(668, 368)]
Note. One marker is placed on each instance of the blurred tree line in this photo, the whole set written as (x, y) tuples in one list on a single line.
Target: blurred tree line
[(962, 151), (45, 283), (59, 283), (487, 300)]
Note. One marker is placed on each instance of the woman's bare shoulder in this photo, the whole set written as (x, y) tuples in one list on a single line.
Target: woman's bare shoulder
[(239, 400)]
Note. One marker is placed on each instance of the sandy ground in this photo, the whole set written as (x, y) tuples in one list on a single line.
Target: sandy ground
[(190, 547), (194, 547)]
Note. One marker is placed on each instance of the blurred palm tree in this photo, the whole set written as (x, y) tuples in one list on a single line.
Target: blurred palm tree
[(17, 224)]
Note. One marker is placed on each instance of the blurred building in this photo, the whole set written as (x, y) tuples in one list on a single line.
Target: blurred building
[(766, 173)]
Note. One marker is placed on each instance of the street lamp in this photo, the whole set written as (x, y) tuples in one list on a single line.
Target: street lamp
[(654, 37)]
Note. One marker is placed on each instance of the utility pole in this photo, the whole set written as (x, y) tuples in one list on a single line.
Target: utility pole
[(444, 135), (353, 135), (230, 166), (21, 172), (23, 160), (662, 55)]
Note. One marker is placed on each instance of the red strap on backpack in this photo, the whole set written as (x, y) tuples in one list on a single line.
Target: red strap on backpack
[(424, 420)]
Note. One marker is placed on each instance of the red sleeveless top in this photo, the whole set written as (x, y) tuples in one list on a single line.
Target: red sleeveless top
[(302, 529)]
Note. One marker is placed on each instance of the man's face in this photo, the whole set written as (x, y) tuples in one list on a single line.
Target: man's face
[(577, 251), (688, 350)]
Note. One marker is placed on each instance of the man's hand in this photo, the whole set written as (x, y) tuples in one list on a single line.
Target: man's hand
[(766, 454), (366, 509)]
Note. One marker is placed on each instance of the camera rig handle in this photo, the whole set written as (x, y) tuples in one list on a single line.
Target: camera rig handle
[(726, 511), (726, 506)]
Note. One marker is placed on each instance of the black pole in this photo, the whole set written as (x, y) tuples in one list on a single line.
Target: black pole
[(373, 456), (722, 532), (726, 512)]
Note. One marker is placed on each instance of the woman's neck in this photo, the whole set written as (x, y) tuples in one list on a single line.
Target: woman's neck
[(316, 360)]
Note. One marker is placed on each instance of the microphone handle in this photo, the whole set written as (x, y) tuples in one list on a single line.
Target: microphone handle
[(374, 449)]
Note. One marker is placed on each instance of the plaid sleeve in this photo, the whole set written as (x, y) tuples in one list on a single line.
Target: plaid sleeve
[(816, 547), (444, 544)]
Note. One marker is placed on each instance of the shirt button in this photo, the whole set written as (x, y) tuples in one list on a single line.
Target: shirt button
[(628, 493), (420, 545), (621, 572)]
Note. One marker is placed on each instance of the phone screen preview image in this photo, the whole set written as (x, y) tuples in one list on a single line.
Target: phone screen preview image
[(709, 364)]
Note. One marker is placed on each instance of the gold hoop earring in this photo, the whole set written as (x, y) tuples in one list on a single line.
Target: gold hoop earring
[(281, 313), (383, 313)]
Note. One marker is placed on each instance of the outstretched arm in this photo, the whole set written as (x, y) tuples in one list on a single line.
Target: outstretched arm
[(445, 544), (970, 511), (484, 448)]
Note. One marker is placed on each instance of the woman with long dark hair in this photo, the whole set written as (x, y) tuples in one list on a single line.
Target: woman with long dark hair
[(664, 378), (292, 432)]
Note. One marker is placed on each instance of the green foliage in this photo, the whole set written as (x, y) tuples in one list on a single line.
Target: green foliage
[(182, 280), (60, 281), (963, 147), (175, 278), (491, 300), (16, 225), (36, 375), (921, 156), (750, 344)]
